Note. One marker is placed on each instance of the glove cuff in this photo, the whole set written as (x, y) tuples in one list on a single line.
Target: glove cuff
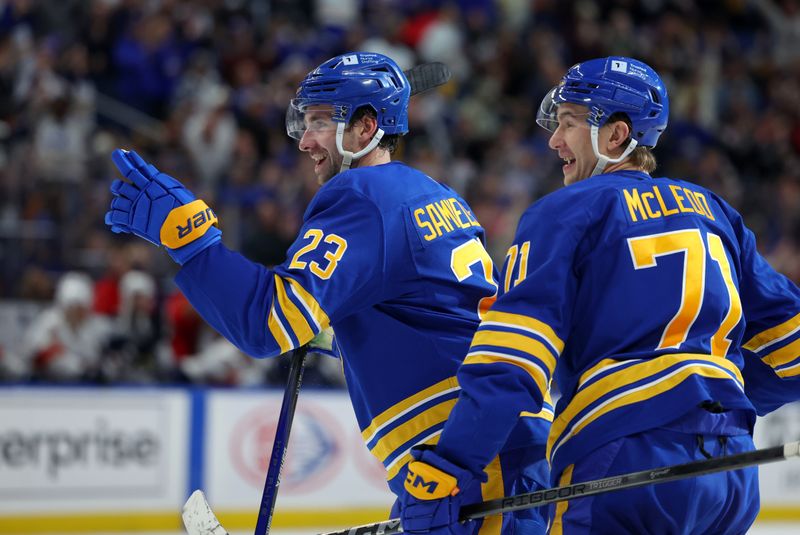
[(426, 482), (432, 477), (427, 454), (187, 223), (181, 255)]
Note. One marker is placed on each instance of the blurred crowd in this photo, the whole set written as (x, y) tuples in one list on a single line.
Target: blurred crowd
[(200, 89)]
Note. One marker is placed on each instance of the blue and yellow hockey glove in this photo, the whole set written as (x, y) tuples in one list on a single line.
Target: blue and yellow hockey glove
[(434, 491), (158, 208)]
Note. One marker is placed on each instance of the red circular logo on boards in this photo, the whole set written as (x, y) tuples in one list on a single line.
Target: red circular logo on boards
[(369, 466), (314, 455)]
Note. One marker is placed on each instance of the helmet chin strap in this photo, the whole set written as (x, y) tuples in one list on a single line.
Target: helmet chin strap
[(347, 156), (602, 159)]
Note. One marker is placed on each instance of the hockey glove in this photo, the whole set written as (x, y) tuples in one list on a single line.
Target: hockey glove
[(434, 491), (156, 207)]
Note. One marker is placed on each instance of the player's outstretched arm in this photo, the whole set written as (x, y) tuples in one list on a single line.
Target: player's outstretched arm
[(158, 208)]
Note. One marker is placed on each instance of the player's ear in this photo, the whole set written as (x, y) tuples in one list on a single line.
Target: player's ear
[(619, 133), (368, 126)]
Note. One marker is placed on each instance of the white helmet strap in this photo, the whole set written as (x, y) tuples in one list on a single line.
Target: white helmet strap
[(602, 159), (347, 156)]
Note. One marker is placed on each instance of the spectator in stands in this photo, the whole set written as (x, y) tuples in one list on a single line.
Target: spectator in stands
[(66, 342), (734, 75), (136, 343)]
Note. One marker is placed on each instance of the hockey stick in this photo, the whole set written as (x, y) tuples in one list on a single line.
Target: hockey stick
[(199, 519), (427, 76), (598, 486), (281, 441)]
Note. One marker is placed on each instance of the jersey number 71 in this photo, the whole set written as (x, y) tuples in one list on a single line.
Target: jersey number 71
[(645, 251)]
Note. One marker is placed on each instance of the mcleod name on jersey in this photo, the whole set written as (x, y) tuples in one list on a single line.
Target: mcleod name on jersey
[(658, 323)]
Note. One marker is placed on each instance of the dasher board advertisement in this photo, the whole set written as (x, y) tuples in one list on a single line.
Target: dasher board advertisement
[(88, 449)]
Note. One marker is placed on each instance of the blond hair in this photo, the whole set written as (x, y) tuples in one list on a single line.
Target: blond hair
[(642, 157)]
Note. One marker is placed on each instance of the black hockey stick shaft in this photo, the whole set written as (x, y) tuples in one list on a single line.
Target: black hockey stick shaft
[(599, 486), (276, 459), (427, 76)]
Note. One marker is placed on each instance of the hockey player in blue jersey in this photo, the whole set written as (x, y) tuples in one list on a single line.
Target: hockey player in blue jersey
[(647, 303), (391, 259)]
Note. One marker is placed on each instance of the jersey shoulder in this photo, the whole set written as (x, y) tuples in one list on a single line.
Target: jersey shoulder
[(388, 185), (575, 206), (399, 195)]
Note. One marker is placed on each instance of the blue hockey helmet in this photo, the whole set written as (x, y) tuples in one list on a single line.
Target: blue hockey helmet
[(612, 85), (348, 82)]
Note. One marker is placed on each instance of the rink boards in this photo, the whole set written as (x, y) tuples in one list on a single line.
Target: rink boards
[(101, 459)]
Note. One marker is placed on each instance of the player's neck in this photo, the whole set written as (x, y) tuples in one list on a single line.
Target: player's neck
[(377, 156), (624, 165)]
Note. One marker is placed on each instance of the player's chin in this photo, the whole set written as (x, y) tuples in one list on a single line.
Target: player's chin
[(325, 175), (571, 178)]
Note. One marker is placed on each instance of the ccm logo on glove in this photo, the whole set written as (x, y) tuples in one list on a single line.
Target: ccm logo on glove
[(186, 223), (426, 482)]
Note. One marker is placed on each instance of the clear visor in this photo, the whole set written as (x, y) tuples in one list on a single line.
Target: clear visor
[(548, 117), (302, 116)]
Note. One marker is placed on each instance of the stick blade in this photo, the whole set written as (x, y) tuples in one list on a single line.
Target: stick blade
[(427, 76), (198, 518)]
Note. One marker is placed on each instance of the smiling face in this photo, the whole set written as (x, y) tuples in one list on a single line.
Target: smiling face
[(319, 141), (572, 139), (573, 142)]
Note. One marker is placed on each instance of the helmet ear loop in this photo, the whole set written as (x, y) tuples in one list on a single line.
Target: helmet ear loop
[(347, 156), (602, 159)]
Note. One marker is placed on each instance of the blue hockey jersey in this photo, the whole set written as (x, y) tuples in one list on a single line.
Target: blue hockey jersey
[(637, 295), (395, 263)]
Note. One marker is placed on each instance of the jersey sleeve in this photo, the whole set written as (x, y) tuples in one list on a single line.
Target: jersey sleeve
[(513, 354), (771, 341), (332, 269)]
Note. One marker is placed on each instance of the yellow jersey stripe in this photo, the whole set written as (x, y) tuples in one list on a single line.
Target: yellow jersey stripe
[(791, 371), (646, 391), (410, 403), (557, 527), (773, 335), (404, 432), (297, 322), (279, 332), (491, 490), (394, 467), (519, 342), (544, 414), (784, 355), (490, 357), (311, 305), (526, 323), (603, 366)]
